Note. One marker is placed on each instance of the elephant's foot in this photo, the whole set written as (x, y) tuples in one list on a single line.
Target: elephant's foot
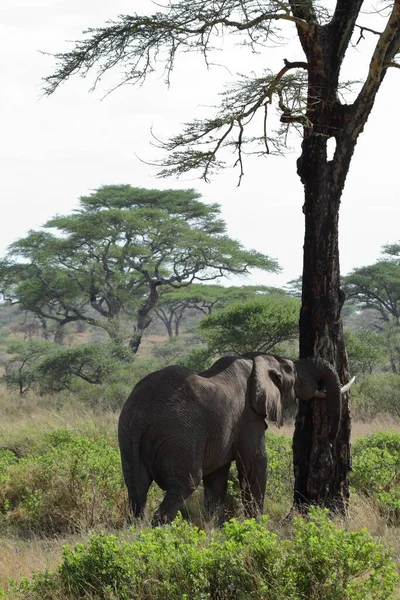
[(168, 509)]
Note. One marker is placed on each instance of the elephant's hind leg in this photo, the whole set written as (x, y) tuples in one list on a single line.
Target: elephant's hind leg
[(176, 494), (215, 488)]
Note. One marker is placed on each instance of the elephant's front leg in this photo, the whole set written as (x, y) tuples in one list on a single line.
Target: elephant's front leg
[(251, 464), (215, 488)]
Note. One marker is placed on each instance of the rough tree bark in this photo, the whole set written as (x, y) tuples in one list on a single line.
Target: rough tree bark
[(322, 471)]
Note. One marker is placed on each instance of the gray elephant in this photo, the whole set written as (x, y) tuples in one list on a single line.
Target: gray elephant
[(178, 428)]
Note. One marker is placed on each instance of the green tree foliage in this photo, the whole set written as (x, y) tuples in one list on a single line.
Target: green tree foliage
[(258, 324), (111, 257), (21, 369), (377, 286)]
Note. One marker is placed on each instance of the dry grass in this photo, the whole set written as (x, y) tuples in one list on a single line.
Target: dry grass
[(24, 420), (384, 422), (20, 558)]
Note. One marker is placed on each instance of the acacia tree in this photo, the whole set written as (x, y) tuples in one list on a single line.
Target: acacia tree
[(305, 93), (116, 252), (378, 286), (173, 303)]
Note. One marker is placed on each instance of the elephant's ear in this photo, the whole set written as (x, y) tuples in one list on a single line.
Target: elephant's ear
[(266, 386)]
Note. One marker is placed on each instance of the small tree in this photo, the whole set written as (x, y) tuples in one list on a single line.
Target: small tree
[(378, 286), (256, 325), (116, 252)]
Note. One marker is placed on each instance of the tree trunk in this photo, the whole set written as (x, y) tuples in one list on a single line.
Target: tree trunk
[(59, 334), (321, 471), (143, 319), (167, 320)]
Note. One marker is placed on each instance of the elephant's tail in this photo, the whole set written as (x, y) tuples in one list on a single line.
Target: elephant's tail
[(129, 444)]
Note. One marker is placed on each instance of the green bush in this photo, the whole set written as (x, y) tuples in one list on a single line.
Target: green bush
[(243, 561), (75, 484), (376, 472)]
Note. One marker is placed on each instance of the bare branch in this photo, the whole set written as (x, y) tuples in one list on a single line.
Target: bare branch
[(393, 64), (362, 28)]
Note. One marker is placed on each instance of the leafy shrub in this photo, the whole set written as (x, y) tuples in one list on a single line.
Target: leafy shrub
[(117, 384), (197, 359), (376, 471), (334, 564), (243, 561), (75, 484), (21, 368)]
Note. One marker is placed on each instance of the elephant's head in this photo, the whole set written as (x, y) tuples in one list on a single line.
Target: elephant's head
[(272, 385), (277, 382)]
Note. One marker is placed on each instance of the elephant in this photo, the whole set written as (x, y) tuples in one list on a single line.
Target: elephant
[(178, 427)]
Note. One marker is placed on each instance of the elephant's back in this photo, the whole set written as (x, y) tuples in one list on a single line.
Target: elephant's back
[(168, 394)]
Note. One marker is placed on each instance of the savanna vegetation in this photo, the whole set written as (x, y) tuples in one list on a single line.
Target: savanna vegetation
[(99, 298), (60, 474)]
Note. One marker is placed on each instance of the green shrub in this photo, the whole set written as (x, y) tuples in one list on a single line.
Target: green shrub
[(376, 471), (328, 563), (118, 384), (75, 484), (243, 561)]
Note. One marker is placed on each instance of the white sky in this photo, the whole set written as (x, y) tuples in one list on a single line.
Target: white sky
[(55, 149)]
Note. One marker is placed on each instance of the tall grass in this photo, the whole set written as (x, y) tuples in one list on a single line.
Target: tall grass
[(25, 425)]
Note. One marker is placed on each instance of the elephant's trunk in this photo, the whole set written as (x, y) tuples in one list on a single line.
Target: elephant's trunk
[(314, 375)]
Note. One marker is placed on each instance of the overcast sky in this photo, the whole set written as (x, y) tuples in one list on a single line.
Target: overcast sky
[(55, 149)]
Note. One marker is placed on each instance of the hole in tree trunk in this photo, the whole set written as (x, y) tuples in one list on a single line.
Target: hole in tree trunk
[(330, 148)]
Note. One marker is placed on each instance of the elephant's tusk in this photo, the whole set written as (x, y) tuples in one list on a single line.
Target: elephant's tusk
[(321, 394), (346, 387)]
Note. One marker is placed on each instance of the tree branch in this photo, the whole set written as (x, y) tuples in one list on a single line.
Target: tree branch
[(139, 41), (387, 47)]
